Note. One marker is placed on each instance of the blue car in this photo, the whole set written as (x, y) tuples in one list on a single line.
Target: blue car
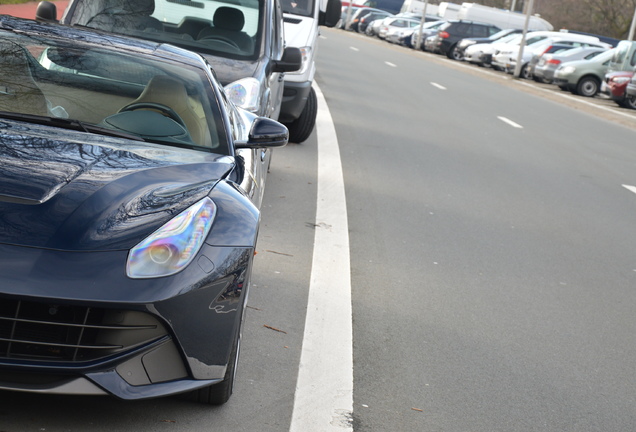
[(128, 220)]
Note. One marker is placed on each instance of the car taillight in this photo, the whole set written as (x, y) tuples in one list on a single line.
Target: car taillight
[(443, 34), (554, 62)]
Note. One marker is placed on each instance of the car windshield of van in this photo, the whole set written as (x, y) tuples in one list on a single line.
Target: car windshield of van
[(230, 29), (299, 7), (621, 51)]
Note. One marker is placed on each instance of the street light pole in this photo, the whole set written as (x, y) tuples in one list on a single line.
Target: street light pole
[(418, 39), (633, 26), (523, 40)]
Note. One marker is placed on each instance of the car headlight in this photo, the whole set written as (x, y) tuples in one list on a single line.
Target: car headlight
[(173, 246), (566, 70), (620, 80), (305, 53), (245, 93)]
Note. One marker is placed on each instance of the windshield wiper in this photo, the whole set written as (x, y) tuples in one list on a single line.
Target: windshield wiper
[(70, 124)]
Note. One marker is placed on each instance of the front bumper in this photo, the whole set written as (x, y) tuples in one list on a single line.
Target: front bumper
[(73, 323), (561, 82), (295, 96)]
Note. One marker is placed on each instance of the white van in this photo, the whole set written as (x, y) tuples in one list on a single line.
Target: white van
[(504, 19), (301, 21), (624, 58)]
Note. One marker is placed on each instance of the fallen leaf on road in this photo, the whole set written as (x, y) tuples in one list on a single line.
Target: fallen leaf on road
[(274, 328)]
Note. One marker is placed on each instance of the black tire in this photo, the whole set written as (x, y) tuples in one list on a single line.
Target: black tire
[(218, 394), (630, 102), (587, 86), (525, 72), (454, 54), (301, 128)]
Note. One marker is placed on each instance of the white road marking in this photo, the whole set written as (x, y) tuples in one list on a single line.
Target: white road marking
[(439, 86), (324, 390), (390, 64), (578, 99), (354, 49), (510, 122), (630, 188)]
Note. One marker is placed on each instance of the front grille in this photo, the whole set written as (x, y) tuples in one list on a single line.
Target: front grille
[(69, 333)]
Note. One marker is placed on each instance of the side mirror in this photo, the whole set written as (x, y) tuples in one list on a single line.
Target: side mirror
[(46, 11), (265, 133), (331, 16), (292, 60)]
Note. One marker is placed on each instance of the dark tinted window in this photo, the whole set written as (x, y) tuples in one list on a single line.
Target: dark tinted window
[(479, 31)]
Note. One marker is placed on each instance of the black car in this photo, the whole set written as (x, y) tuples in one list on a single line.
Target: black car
[(126, 240), (368, 18), (446, 40), (244, 44)]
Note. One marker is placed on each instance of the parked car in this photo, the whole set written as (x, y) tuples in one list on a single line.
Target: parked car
[(127, 242), (543, 70), (481, 53), (245, 44), (466, 42), (373, 29), (539, 53), (366, 20), (343, 15), (410, 36), (506, 59), (630, 89), (583, 77), (446, 40), (624, 57), (299, 108), (615, 86), (393, 25), (361, 13)]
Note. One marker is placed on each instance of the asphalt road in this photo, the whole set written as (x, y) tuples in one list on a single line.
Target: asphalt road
[(492, 246), (492, 259)]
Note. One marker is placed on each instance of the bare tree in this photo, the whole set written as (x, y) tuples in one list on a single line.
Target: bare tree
[(604, 17)]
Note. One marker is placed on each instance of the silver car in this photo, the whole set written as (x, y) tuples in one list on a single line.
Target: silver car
[(548, 63), (393, 25)]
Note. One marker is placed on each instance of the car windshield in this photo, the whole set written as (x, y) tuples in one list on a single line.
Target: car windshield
[(500, 35), (298, 7), (227, 29), (105, 89)]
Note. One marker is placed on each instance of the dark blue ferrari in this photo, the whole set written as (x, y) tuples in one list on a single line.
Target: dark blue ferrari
[(130, 188)]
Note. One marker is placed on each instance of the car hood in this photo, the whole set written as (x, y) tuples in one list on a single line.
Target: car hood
[(298, 30), (228, 70), (76, 191)]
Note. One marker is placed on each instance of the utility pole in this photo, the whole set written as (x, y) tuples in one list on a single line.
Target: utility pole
[(633, 26), (522, 44), (419, 31)]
